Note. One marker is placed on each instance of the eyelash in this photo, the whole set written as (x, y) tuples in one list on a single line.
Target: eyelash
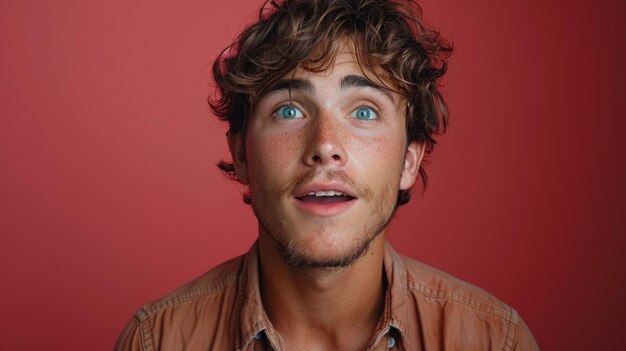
[(358, 106), (368, 106), (275, 113)]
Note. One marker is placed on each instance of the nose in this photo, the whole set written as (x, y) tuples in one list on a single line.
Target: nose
[(325, 142)]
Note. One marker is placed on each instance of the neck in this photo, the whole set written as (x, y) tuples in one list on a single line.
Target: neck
[(323, 308)]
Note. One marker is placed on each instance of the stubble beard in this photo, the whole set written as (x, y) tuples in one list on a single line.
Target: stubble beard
[(297, 254)]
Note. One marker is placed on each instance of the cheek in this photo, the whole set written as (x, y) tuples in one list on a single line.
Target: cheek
[(383, 155), (269, 154)]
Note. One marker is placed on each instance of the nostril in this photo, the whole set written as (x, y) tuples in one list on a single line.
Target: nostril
[(323, 158)]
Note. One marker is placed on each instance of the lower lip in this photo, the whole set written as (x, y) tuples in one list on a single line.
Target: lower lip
[(325, 210)]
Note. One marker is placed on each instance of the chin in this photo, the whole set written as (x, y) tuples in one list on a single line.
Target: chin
[(324, 250)]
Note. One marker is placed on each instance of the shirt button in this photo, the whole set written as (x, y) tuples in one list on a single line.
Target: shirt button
[(391, 342)]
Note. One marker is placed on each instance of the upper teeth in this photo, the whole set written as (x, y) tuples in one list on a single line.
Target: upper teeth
[(326, 193)]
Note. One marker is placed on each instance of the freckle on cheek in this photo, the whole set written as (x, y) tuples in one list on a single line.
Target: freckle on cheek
[(274, 150)]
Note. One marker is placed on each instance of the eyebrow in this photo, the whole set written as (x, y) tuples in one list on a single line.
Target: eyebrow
[(353, 81), (291, 84), (347, 82)]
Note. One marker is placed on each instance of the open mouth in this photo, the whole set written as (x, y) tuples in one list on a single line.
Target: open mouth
[(325, 197)]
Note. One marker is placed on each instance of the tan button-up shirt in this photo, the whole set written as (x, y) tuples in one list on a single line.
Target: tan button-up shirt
[(425, 309)]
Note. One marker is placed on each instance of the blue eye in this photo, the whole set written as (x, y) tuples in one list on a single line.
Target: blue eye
[(288, 112), (365, 113)]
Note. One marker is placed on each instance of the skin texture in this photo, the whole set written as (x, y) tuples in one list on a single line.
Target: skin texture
[(326, 286)]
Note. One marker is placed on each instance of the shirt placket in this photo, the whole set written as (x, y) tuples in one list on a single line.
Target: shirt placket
[(385, 341)]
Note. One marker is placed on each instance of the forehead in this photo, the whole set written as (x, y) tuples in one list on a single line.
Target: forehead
[(344, 58), (342, 72)]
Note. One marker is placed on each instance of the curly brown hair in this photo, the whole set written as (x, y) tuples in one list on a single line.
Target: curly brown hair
[(388, 35)]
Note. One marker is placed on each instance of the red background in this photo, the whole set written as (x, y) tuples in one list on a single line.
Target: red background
[(109, 196)]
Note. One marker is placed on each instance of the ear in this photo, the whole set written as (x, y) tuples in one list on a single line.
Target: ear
[(238, 153), (412, 160)]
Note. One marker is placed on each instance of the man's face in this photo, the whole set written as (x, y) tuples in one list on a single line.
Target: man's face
[(325, 155)]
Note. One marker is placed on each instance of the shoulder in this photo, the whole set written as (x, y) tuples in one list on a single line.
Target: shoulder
[(430, 283), (196, 314), (466, 315), (209, 286)]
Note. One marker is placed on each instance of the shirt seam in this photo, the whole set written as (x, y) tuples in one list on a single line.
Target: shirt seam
[(511, 336), (505, 313), (146, 339), (150, 310)]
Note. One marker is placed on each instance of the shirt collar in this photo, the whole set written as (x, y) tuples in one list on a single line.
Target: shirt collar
[(253, 319), (396, 313)]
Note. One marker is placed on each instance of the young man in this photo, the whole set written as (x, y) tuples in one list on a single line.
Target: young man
[(331, 106)]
